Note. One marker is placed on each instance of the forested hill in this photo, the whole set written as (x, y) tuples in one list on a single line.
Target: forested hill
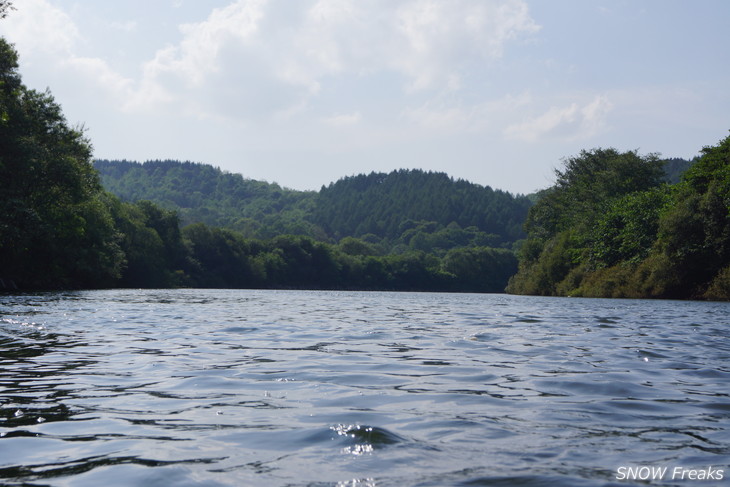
[(609, 227), (203, 193), (675, 167), (409, 207), (388, 204)]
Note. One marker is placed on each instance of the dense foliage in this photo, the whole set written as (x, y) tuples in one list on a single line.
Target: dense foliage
[(400, 211), (384, 204), (55, 228), (60, 229), (611, 227), (223, 258), (201, 193)]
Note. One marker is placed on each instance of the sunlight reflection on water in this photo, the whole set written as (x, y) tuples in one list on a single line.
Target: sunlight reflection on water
[(219, 387)]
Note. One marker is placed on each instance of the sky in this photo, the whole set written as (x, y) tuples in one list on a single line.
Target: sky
[(305, 92)]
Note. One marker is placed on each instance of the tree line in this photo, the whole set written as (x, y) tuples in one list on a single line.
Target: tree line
[(203, 193), (611, 226), (416, 209), (616, 224), (59, 228), (379, 204)]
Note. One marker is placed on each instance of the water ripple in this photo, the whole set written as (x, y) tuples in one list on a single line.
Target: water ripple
[(192, 387)]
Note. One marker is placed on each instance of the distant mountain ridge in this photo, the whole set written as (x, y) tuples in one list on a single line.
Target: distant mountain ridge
[(378, 206), (384, 204), (204, 193), (676, 166), (396, 208)]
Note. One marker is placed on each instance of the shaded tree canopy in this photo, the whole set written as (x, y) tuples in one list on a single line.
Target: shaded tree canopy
[(587, 184), (55, 229)]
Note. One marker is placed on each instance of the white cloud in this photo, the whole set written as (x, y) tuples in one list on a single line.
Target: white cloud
[(199, 53), (37, 27), (47, 37), (440, 37), (594, 116), (570, 122), (441, 118), (257, 60), (267, 56), (403, 81), (100, 74), (344, 119), (449, 114), (128, 26), (384, 73)]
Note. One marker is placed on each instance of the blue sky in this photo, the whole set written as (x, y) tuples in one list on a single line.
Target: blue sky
[(305, 92)]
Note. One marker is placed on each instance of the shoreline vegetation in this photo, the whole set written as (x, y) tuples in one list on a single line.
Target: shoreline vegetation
[(613, 225)]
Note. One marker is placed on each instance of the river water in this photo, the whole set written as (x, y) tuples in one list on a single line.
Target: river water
[(311, 388)]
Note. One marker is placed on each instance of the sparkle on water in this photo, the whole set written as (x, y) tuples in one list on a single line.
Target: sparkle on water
[(223, 387)]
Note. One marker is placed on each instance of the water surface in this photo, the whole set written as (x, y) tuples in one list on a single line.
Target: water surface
[(224, 387)]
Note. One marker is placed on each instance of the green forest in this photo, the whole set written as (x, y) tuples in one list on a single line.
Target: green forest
[(402, 210), (614, 224), (61, 229)]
